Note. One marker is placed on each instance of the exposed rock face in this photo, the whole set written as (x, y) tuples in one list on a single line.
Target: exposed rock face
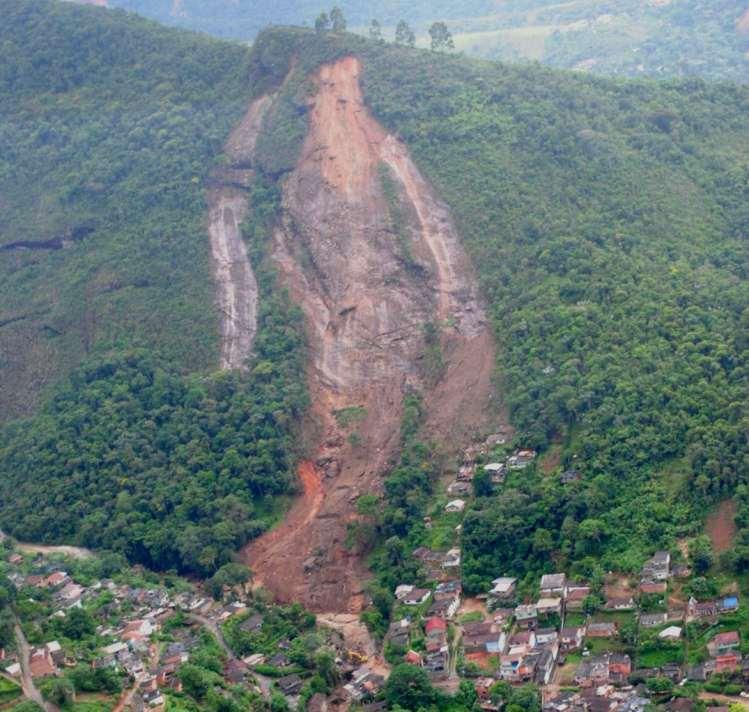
[(236, 287), (366, 308)]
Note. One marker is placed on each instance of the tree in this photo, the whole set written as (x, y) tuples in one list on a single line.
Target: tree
[(61, 692), (482, 484), (337, 19), (441, 37), (701, 554), (409, 687), (404, 34), (78, 624), (322, 22), (375, 31)]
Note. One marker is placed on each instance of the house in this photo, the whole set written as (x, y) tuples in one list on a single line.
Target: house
[(455, 505), (55, 652), (526, 616), (620, 668), (650, 588), (602, 630), (413, 658), (465, 473), (503, 589), (58, 578), (444, 607), (448, 590), (458, 488), (15, 559), (673, 632), (672, 671), (593, 672), (399, 633), (545, 667), (511, 667), (451, 559), (436, 663), (546, 636), (658, 567), (576, 596), (41, 663), (402, 591), (620, 603), (653, 620), (701, 610), (522, 642), (727, 662), (728, 604), (569, 476), (491, 643), (723, 643), (417, 596), (549, 606), (553, 585), (290, 684), (521, 459), (494, 467), (604, 669), (252, 624), (435, 626), (571, 638), (279, 660)]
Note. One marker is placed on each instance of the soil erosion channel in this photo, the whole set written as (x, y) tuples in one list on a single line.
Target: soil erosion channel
[(236, 287), (372, 257)]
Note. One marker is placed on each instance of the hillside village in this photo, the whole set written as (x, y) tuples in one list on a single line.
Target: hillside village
[(128, 643), (136, 641), (623, 645)]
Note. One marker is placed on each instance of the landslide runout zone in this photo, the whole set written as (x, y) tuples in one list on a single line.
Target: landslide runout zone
[(368, 289)]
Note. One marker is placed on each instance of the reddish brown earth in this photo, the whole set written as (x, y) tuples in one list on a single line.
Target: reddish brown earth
[(721, 527), (365, 308)]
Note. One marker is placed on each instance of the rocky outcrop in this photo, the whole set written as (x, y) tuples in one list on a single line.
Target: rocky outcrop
[(236, 286), (371, 269)]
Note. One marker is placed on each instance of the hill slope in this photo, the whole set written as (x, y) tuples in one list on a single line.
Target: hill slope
[(606, 222), (708, 38), (109, 128)]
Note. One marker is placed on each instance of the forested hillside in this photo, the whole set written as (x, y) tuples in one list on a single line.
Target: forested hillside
[(708, 38), (607, 221), (109, 126)]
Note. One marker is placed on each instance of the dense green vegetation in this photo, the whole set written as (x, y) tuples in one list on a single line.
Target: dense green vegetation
[(608, 224), (108, 126), (174, 470)]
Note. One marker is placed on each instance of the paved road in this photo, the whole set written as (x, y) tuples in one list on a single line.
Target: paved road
[(263, 682), (213, 627), (30, 690)]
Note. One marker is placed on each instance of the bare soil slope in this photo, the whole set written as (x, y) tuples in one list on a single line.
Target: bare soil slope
[(366, 306)]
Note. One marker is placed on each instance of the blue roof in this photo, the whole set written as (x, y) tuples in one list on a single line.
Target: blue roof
[(731, 601)]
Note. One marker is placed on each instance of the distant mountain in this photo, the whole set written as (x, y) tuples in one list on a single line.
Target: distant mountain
[(660, 38)]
